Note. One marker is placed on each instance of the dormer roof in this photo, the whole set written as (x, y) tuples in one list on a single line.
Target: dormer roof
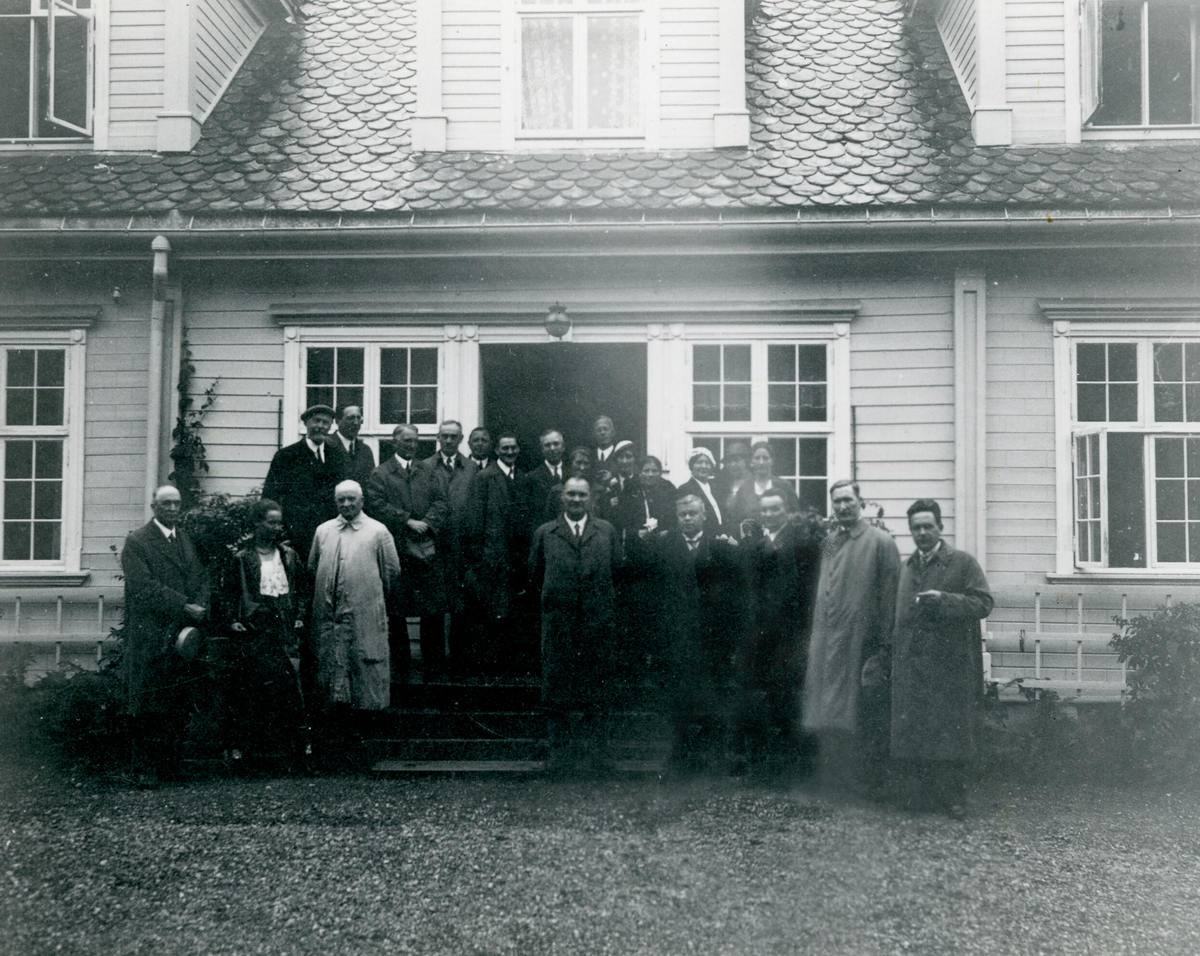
[(853, 103)]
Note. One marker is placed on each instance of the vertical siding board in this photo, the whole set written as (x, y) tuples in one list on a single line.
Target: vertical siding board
[(226, 31), (956, 24), (136, 71), (1036, 70)]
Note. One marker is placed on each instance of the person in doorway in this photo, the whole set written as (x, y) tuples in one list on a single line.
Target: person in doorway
[(303, 475), (166, 589), (355, 568), (937, 662), (266, 608), (494, 552), (360, 460), (454, 472), (604, 434), (571, 562), (538, 489), (409, 498), (844, 704)]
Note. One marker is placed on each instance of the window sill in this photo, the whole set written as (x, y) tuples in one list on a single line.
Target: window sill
[(44, 579), (45, 145), (1140, 132), (1125, 576)]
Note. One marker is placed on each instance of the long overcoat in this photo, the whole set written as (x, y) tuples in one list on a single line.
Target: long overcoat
[(393, 496), (492, 542), (355, 567), (456, 483), (703, 615), (579, 611), (853, 618), (160, 578), (937, 658)]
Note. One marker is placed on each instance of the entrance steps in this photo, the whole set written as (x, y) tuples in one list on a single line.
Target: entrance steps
[(496, 727)]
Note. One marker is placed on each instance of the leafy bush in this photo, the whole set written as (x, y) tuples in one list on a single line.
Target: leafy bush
[(1162, 651)]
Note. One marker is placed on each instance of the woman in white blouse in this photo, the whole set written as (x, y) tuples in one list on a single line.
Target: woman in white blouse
[(263, 693)]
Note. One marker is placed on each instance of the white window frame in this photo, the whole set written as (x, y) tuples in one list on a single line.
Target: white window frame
[(643, 136), (1092, 322), (299, 339), (73, 342), (42, 112), (1090, 51)]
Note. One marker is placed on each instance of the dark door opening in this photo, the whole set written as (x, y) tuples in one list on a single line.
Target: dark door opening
[(563, 385)]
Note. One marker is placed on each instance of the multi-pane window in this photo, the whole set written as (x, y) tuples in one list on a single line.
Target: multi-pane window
[(771, 391), (33, 449), (45, 68), (581, 65), (393, 385), (1147, 71), (1136, 453)]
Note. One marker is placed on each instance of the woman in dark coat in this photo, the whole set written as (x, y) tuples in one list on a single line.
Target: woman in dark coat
[(266, 607), (650, 499), (744, 504), (937, 660)]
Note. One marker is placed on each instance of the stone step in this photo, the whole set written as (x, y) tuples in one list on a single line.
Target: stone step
[(516, 748), (483, 724), (630, 768)]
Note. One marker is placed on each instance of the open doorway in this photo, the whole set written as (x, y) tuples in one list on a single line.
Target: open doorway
[(564, 385)]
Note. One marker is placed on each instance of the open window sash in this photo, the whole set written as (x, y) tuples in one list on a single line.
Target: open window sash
[(1091, 91), (69, 67), (1089, 518)]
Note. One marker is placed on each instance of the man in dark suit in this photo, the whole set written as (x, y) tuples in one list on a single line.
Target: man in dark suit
[(360, 460), (165, 590), (702, 599), (493, 552), (454, 472), (409, 499), (538, 488), (782, 562), (571, 562), (302, 477), (604, 433), (480, 443)]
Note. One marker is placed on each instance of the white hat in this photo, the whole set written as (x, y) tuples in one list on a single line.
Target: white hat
[(701, 452)]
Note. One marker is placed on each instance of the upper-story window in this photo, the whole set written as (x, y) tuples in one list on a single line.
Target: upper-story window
[(1140, 62), (581, 68), (45, 69)]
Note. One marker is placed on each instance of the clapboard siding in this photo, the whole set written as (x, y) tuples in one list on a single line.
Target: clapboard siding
[(226, 31), (689, 72), (471, 73), (136, 46), (956, 24), (1036, 70)]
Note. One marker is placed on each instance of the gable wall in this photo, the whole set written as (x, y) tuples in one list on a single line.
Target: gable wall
[(1035, 68), (957, 25), (226, 31), (688, 72), (137, 43), (471, 71)]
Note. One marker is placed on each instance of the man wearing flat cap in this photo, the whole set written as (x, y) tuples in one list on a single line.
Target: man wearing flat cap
[(703, 467), (302, 478)]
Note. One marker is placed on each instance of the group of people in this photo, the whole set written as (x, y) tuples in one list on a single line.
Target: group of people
[(769, 635)]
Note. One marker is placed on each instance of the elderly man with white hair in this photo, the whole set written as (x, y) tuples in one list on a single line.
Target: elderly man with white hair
[(355, 566)]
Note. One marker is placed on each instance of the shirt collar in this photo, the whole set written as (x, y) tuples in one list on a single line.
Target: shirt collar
[(450, 461), (481, 462), (503, 467), (403, 461), (356, 524), (553, 469), (582, 523), (344, 440), (315, 449), (168, 533), (856, 530), (695, 538), (925, 558)]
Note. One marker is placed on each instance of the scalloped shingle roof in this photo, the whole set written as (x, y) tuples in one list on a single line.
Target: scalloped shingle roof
[(851, 106)]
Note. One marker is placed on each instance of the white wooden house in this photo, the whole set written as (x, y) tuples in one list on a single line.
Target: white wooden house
[(949, 248)]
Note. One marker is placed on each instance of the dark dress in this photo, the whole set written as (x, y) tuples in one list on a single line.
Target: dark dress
[(937, 658), (262, 693)]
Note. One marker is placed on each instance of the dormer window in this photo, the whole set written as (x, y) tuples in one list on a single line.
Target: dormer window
[(1145, 69), (45, 69), (581, 68)]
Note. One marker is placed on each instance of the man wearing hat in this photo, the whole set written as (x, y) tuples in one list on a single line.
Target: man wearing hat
[(302, 478), (165, 591), (703, 467)]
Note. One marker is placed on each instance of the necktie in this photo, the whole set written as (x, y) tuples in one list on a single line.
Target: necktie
[(578, 532)]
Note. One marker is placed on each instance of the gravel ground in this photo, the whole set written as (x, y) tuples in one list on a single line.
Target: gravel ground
[(460, 866)]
